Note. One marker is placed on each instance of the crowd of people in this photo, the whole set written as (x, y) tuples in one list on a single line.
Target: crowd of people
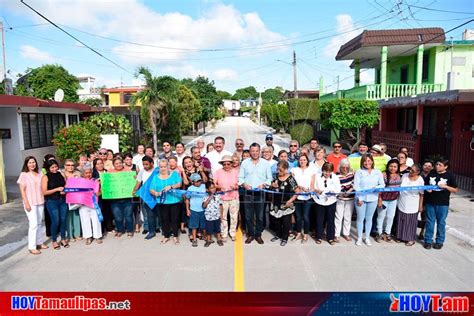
[(207, 193)]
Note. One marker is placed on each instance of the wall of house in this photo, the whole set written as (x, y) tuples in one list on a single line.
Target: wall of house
[(11, 147), (114, 99), (463, 74), (395, 65)]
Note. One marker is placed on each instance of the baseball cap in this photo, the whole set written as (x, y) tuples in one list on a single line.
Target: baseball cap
[(269, 136), (195, 177)]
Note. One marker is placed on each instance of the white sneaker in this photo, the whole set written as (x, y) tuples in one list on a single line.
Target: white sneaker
[(359, 242), (367, 242)]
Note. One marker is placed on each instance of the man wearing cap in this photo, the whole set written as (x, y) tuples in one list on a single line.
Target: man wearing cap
[(376, 151), (216, 155), (226, 179), (255, 173), (269, 142)]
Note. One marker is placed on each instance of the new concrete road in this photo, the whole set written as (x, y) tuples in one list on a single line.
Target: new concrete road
[(135, 264)]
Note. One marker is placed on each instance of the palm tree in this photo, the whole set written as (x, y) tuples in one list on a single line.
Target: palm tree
[(155, 100)]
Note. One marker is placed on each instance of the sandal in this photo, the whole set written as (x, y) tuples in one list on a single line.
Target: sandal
[(64, 244), (176, 240), (35, 252), (89, 241), (318, 241), (332, 242), (56, 246), (409, 243), (297, 237), (118, 235), (164, 240), (220, 243), (43, 246), (347, 238), (99, 241), (194, 243), (207, 244), (130, 235)]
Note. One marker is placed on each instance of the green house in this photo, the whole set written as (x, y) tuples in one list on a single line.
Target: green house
[(407, 62)]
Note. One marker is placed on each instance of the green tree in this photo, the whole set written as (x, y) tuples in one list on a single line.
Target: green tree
[(190, 109), (245, 93), (224, 95), (109, 123), (77, 139), (206, 92), (272, 95), (42, 83), (156, 101), (95, 102), (276, 115), (351, 115)]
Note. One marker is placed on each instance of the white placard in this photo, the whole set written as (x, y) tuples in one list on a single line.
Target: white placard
[(110, 142)]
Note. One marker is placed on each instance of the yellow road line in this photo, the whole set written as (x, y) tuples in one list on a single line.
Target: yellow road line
[(239, 279)]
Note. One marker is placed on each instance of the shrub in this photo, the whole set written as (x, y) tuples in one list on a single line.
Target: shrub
[(277, 115), (302, 132), (76, 140), (109, 123), (303, 109)]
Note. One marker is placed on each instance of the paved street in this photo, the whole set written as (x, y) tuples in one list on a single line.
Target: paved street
[(135, 264)]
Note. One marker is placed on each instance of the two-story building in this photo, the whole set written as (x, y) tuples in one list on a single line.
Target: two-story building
[(118, 101), (424, 85)]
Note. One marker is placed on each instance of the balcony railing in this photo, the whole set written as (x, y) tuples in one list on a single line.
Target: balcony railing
[(374, 91)]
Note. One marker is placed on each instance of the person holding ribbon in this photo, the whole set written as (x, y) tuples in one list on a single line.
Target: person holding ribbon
[(168, 202), (52, 185), (73, 220), (326, 186), (90, 221), (33, 203), (410, 203), (345, 201), (366, 178)]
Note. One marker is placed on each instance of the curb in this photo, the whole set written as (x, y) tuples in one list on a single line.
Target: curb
[(460, 235)]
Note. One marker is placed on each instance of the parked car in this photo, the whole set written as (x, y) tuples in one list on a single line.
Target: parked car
[(246, 114)]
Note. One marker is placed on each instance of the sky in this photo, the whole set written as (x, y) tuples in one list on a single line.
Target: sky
[(235, 43)]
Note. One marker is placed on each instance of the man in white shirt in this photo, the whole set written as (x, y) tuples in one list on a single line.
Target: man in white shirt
[(137, 159), (269, 142), (180, 152), (217, 154), (142, 177)]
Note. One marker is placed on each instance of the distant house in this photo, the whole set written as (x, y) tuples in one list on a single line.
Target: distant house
[(27, 126), (88, 89), (231, 106), (424, 85), (118, 100), (248, 102), (302, 94)]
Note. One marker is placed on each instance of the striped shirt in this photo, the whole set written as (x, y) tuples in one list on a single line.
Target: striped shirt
[(346, 184), (393, 183)]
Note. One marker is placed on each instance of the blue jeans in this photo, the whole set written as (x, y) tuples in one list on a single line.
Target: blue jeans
[(365, 212), (122, 210), (389, 214), (302, 208), (146, 211), (254, 204), (436, 214), (57, 210), (152, 218)]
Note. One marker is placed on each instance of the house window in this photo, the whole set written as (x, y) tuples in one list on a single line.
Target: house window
[(406, 120), (127, 97), (38, 129), (72, 118)]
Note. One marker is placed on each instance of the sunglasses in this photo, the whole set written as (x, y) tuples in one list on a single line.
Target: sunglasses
[(337, 146), (226, 163), (102, 153), (239, 144), (293, 145), (69, 165)]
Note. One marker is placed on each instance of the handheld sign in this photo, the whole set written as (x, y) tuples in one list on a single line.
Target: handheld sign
[(117, 185), (380, 163), (82, 197)]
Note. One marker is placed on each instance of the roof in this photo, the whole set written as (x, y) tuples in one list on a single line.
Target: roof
[(21, 101), (289, 93), (391, 38), (122, 89), (450, 97)]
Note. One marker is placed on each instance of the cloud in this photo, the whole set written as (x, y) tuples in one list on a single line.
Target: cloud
[(346, 30), (33, 53), (225, 74), (217, 26)]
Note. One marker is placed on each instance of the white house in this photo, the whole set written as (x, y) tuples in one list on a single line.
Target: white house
[(88, 89), (27, 126), (231, 105)]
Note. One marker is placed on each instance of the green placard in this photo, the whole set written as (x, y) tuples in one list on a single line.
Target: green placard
[(117, 185), (380, 163)]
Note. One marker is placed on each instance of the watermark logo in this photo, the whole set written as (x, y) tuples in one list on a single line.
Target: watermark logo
[(436, 303)]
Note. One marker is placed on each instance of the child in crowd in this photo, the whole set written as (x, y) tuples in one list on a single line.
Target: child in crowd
[(194, 207), (212, 204)]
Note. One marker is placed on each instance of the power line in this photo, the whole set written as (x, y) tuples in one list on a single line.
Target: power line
[(438, 10), (72, 36)]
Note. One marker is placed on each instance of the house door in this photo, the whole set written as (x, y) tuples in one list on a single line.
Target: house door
[(437, 134), (404, 75)]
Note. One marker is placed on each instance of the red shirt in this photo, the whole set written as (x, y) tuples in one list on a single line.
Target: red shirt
[(335, 160)]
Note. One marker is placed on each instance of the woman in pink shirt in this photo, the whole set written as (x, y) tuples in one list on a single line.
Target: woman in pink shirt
[(226, 179), (33, 203)]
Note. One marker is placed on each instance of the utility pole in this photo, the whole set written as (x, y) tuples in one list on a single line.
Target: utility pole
[(295, 88), (4, 56)]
